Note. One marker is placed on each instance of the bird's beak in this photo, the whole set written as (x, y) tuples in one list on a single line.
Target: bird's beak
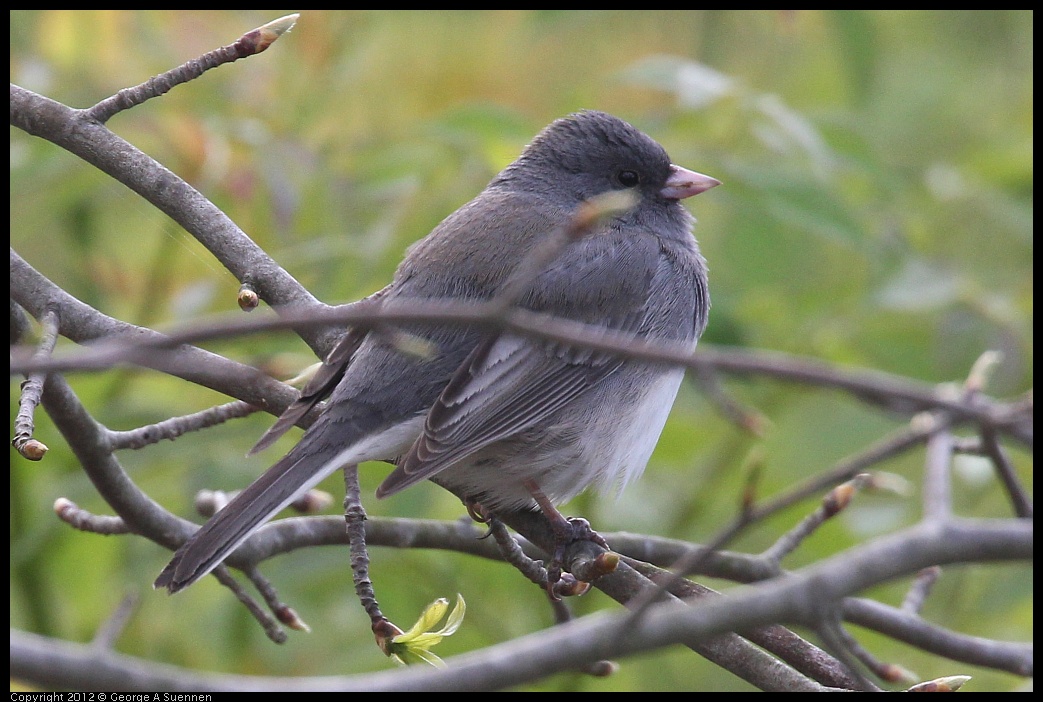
[(684, 183)]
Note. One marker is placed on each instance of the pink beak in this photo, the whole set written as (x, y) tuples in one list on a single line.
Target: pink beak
[(684, 183)]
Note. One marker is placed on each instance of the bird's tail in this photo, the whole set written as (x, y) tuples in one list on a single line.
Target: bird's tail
[(294, 474)]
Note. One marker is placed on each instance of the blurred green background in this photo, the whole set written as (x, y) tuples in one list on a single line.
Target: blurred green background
[(876, 211)]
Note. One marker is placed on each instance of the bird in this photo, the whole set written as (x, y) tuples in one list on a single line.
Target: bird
[(508, 420)]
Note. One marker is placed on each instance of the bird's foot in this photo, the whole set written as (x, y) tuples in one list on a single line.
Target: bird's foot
[(568, 531)]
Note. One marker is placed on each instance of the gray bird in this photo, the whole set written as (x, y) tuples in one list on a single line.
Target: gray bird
[(506, 420)]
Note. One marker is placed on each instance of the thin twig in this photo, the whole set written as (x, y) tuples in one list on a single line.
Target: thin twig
[(176, 426), (32, 389), (253, 42), (1019, 497)]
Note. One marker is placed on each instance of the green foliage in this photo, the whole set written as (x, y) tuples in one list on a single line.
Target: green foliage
[(876, 211)]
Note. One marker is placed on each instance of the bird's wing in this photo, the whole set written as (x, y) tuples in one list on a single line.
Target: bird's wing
[(510, 383), (506, 385), (323, 382)]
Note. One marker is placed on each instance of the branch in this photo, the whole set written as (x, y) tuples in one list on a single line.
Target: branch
[(75, 131), (898, 394), (797, 598)]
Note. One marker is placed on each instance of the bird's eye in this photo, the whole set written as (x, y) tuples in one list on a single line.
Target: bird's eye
[(628, 179)]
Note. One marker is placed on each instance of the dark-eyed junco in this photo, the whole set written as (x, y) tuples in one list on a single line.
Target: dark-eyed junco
[(506, 420)]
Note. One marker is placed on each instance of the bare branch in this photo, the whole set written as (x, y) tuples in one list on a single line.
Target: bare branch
[(253, 42)]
